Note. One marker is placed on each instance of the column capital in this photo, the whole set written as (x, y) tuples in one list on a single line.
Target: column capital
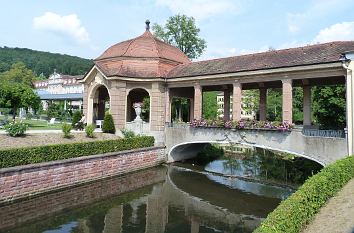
[(287, 81)]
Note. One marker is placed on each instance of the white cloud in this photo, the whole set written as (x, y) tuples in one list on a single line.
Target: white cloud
[(318, 10), (200, 9), (339, 31), (68, 25)]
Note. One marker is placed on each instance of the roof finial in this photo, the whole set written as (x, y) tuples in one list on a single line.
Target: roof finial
[(147, 22)]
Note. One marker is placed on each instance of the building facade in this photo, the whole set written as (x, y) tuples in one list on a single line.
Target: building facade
[(60, 87)]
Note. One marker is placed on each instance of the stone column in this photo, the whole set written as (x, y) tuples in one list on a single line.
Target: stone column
[(287, 100), (157, 103), (307, 105), (236, 101), (195, 224), (168, 105), (263, 104), (226, 105), (191, 110), (118, 103), (198, 101)]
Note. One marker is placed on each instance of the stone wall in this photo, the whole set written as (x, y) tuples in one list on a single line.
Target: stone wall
[(83, 196), (28, 180)]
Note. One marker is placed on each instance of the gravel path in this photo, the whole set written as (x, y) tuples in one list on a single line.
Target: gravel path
[(338, 215), (48, 138)]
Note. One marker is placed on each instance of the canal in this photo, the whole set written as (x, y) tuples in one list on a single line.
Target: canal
[(233, 193)]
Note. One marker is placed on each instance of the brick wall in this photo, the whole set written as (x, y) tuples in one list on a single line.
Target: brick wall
[(20, 212), (22, 181)]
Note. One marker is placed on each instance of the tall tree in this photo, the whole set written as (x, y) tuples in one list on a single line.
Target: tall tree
[(210, 105), (181, 31), (329, 106), (17, 95), (18, 74)]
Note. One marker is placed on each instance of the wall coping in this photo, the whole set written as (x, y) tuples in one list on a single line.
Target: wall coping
[(73, 160)]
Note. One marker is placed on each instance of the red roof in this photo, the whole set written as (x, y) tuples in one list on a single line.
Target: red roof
[(143, 56), (307, 55)]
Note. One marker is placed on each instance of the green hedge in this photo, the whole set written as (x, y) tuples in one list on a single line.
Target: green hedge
[(299, 209), (30, 155)]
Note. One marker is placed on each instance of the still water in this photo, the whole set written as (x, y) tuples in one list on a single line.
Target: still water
[(232, 194)]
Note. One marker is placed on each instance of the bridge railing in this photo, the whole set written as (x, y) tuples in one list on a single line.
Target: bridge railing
[(177, 124), (324, 133)]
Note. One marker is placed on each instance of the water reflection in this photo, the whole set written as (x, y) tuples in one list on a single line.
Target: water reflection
[(164, 199), (264, 165)]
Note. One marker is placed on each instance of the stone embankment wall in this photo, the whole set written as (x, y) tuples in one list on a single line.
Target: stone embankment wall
[(29, 180), (82, 196)]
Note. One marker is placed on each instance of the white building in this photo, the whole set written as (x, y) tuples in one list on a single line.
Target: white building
[(247, 107), (61, 87)]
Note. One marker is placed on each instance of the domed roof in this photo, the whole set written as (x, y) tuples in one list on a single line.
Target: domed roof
[(143, 56)]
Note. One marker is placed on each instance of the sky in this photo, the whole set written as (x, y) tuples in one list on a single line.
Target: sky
[(86, 28)]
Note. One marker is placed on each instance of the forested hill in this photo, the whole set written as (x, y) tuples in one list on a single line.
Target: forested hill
[(43, 62)]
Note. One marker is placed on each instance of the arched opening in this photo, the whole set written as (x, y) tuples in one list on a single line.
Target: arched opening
[(101, 103), (138, 101)]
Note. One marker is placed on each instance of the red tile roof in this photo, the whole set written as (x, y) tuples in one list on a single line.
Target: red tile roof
[(307, 55), (143, 56)]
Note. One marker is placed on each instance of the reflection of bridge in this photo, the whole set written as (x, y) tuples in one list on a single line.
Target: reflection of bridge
[(185, 142)]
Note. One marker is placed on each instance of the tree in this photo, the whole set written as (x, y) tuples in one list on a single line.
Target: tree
[(210, 105), (329, 106), (18, 74), (17, 95), (181, 31)]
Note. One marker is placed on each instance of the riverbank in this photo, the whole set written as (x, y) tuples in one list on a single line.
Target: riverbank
[(337, 215)]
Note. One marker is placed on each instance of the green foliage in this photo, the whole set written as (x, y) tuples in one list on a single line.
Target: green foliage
[(76, 118), (43, 62), (180, 108), (298, 210), (16, 129), (181, 31), (18, 74), (128, 133), (89, 130), (17, 95), (66, 128), (329, 106), (209, 153), (210, 106), (274, 105), (108, 124), (39, 154), (145, 111)]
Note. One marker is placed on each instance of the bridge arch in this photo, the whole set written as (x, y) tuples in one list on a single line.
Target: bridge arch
[(188, 150)]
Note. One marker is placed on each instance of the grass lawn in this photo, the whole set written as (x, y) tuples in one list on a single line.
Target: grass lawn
[(38, 124)]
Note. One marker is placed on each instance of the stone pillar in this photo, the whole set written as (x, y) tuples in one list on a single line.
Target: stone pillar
[(350, 108), (118, 103), (307, 105), (157, 104), (84, 103), (198, 102), (287, 100), (226, 105), (263, 104), (236, 101), (168, 105), (113, 221), (195, 224), (191, 110), (156, 215)]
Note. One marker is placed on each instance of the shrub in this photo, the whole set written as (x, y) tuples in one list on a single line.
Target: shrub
[(16, 129), (298, 210), (39, 154), (66, 128), (90, 131), (76, 118), (108, 124), (128, 133)]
